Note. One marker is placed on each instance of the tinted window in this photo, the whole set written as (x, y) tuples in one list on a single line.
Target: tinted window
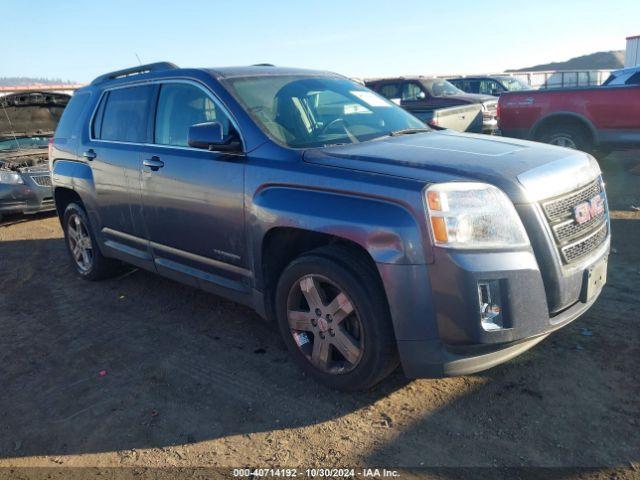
[(124, 117), (99, 116), (411, 92), (474, 86), (71, 114), (633, 79), (390, 90), (181, 105), (439, 87), (488, 87)]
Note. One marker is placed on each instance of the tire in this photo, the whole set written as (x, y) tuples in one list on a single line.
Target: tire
[(601, 153), (568, 136), (91, 264), (348, 349)]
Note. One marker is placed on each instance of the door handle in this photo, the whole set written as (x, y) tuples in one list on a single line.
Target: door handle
[(154, 163), (90, 154)]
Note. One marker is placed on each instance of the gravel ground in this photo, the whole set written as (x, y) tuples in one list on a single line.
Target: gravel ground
[(142, 371)]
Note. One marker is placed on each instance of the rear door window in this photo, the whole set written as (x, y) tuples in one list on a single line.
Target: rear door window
[(474, 86), (123, 118), (392, 91)]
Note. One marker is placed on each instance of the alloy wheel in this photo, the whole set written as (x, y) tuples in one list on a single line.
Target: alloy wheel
[(80, 243), (325, 324), (564, 141)]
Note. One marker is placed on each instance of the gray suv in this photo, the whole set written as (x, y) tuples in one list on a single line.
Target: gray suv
[(370, 239)]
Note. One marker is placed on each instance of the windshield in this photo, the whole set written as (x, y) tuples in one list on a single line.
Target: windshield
[(514, 84), (303, 112), (439, 87), (23, 142)]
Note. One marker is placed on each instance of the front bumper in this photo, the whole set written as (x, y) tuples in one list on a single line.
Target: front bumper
[(28, 197), (489, 125), (445, 360), (436, 316)]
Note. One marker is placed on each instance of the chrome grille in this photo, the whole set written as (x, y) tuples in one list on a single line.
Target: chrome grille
[(577, 250), (562, 207), (576, 240), (42, 180)]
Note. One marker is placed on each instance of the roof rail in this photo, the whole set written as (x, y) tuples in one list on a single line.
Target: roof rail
[(150, 67)]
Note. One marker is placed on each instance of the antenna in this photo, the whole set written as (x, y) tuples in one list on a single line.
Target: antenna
[(139, 61)]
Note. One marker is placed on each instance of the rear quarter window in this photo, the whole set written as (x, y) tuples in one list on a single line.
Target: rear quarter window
[(71, 115)]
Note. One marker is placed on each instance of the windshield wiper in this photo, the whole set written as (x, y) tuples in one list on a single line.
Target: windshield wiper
[(409, 131)]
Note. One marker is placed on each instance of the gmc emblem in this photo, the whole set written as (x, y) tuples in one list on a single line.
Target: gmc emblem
[(585, 211)]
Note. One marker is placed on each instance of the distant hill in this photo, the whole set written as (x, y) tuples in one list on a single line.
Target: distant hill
[(18, 81), (594, 61)]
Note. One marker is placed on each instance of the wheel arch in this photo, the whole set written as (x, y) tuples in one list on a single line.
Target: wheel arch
[(561, 117), (283, 244), (387, 231), (63, 196)]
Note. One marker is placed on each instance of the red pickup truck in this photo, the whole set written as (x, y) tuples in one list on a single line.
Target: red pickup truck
[(589, 119)]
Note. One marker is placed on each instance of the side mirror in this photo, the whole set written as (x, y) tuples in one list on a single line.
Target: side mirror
[(496, 92), (421, 96), (210, 136)]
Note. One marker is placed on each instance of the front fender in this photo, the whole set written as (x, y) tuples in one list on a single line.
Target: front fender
[(386, 230)]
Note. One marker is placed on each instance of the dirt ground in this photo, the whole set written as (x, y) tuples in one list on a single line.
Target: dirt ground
[(142, 371)]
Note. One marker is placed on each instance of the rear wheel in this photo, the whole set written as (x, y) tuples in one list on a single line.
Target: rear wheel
[(335, 320), (86, 257), (568, 136)]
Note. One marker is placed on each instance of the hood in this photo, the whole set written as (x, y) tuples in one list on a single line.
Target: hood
[(31, 113), (440, 156)]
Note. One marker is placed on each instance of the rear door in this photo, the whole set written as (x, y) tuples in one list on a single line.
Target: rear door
[(119, 129), (193, 199)]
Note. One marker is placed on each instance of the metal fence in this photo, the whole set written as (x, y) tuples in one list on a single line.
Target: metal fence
[(563, 79), (551, 78)]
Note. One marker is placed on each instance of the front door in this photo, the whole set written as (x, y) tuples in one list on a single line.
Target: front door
[(193, 199)]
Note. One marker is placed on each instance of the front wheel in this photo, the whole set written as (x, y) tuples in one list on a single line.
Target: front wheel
[(335, 320)]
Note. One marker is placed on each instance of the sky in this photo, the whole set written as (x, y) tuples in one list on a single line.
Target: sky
[(78, 40)]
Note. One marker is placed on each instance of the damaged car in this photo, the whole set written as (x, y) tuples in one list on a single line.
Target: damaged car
[(27, 123)]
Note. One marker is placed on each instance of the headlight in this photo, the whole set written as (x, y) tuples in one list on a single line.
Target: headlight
[(11, 178), (473, 215)]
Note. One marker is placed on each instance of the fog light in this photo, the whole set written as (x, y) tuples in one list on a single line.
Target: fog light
[(489, 302)]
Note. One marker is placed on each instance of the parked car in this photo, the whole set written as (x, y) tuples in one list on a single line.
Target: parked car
[(625, 76), (494, 85), (462, 118), (422, 95), (27, 122), (369, 238), (595, 119)]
